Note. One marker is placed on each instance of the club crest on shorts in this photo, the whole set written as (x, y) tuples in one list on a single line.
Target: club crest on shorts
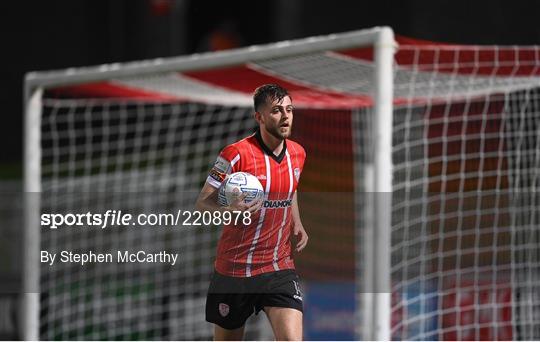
[(223, 309), (297, 173)]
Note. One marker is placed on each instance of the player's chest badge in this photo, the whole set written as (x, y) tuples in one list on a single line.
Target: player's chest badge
[(223, 309), (297, 173)]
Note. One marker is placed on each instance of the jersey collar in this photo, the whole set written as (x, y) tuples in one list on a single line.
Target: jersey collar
[(267, 150)]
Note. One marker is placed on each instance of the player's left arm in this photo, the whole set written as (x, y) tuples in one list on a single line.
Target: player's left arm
[(298, 228)]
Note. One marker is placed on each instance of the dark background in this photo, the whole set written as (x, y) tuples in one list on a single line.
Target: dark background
[(56, 34)]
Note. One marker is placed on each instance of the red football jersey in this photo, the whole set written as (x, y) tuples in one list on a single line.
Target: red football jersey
[(264, 245)]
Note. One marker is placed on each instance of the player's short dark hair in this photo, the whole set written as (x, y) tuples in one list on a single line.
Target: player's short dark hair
[(267, 92)]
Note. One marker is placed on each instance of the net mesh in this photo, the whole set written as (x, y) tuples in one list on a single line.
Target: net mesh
[(465, 211), (101, 155)]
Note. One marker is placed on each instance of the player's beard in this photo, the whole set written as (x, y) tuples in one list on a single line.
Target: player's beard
[(275, 131)]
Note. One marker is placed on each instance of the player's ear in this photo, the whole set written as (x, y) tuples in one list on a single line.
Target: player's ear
[(258, 117)]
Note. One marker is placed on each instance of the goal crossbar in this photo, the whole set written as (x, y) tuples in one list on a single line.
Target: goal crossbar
[(369, 37)]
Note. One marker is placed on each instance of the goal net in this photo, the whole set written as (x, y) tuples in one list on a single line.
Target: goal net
[(463, 248), (465, 261)]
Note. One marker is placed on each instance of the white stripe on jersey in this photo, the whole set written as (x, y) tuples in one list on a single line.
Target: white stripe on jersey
[(261, 218), (233, 162), (244, 230), (276, 267)]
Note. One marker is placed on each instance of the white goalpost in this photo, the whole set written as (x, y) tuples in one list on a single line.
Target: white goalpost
[(420, 189)]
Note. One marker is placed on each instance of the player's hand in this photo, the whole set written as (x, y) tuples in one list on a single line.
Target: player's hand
[(239, 205), (254, 206), (301, 236)]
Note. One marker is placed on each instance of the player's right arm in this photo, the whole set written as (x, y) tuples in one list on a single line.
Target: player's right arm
[(227, 162)]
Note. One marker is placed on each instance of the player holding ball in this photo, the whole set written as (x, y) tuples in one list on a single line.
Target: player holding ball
[(254, 269)]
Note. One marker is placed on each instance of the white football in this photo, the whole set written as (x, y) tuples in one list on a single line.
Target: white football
[(237, 183)]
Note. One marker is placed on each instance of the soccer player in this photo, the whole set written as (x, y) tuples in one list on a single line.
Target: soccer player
[(254, 269)]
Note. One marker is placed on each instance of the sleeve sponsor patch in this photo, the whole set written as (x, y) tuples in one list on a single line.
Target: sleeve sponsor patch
[(220, 169), (221, 165)]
